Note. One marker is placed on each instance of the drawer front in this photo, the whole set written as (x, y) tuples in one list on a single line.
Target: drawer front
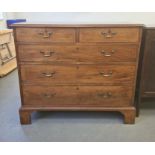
[(105, 95), (109, 35), (45, 34), (49, 96), (84, 54), (48, 74), (106, 74), (108, 53), (86, 74), (48, 53), (95, 96)]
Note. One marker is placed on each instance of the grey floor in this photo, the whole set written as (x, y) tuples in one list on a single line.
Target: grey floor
[(69, 126)]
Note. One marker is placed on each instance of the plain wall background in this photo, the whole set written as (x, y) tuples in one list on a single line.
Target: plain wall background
[(147, 18), (91, 17), (6, 15)]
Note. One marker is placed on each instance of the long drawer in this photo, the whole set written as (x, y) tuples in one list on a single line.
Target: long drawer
[(109, 35), (72, 54), (77, 96), (87, 74), (45, 35)]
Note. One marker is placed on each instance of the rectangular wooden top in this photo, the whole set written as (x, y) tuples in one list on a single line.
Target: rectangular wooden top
[(39, 24)]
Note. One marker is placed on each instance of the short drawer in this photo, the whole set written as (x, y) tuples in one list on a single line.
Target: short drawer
[(81, 74), (109, 35), (73, 54), (45, 35), (77, 96)]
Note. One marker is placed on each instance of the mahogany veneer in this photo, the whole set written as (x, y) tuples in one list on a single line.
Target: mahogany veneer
[(77, 68)]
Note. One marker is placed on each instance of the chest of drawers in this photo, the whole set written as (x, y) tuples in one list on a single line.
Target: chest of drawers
[(77, 68)]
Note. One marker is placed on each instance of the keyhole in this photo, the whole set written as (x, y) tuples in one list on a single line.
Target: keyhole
[(77, 48), (77, 67), (77, 88)]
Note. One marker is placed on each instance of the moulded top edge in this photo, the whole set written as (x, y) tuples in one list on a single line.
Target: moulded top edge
[(26, 24)]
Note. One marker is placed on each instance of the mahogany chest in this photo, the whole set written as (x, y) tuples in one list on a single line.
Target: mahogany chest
[(77, 68)]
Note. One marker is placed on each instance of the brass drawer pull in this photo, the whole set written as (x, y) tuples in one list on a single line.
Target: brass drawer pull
[(109, 74), (107, 54), (45, 34), (105, 95), (47, 53), (49, 95), (108, 34), (49, 74)]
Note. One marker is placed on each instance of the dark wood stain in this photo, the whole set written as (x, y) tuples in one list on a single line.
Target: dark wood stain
[(146, 78), (77, 67)]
